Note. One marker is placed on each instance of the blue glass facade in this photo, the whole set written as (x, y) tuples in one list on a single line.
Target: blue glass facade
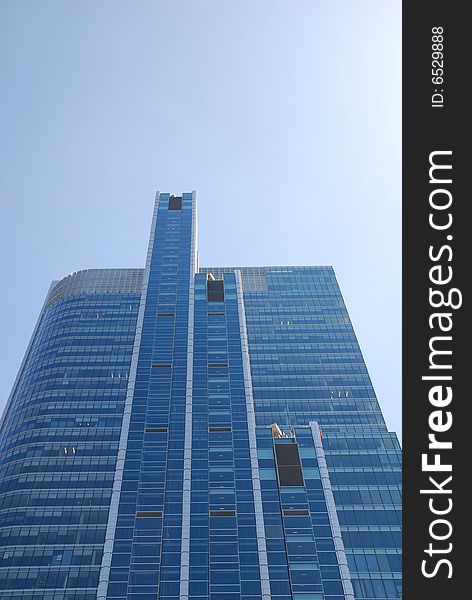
[(307, 366), (60, 434), (197, 434)]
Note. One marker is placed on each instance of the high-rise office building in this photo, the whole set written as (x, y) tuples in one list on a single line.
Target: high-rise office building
[(189, 433)]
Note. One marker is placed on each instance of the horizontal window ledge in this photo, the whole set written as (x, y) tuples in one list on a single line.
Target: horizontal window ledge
[(222, 513), (149, 514), (156, 430), (296, 512)]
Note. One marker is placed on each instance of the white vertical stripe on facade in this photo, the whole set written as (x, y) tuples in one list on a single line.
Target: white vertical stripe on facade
[(251, 423), (332, 514), (118, 479), (187, 476)]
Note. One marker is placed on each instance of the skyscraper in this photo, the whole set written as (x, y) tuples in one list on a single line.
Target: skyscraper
[(190, 433)]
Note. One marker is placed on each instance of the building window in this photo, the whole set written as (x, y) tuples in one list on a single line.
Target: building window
[(215, 291), (149, 514), (156, 430), (175, 202), (288, 464), (222, 513)]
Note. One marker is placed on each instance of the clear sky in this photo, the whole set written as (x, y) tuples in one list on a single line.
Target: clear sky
[(284, 116)]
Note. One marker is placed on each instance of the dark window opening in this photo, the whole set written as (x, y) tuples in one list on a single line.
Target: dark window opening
[(151, 513), (161, 365), (166, 314), (175, 202), (216, 314), (210, 429), (222, 513), (288, 464), (156, 430), (217, 364), (215, 291)]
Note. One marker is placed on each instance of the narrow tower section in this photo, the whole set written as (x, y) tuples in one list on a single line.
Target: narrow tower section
[(148, 532)]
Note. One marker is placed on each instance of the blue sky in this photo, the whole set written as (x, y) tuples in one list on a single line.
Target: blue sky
[(284, 116)]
